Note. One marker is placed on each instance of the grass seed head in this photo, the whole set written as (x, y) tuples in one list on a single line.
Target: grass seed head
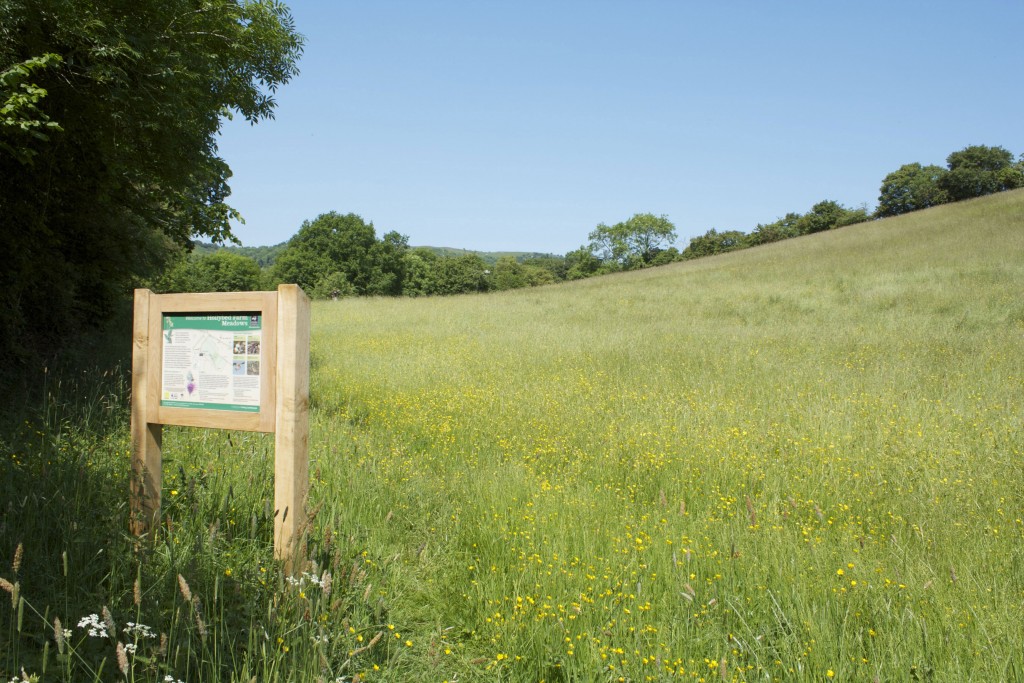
[(197, 612), (108, 620), (122, 659), (58, 634), (186, 592), (18, 553)]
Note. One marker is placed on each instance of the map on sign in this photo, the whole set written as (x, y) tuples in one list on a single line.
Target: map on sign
[(212, 362)]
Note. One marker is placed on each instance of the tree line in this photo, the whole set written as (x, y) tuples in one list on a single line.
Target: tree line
[(109, 170), (974, 171), (338, 255)]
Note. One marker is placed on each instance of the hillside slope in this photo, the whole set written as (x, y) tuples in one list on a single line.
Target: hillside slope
[(777, 462)]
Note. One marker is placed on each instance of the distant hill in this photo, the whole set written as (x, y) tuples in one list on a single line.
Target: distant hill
[(490, 257), (265, 256)]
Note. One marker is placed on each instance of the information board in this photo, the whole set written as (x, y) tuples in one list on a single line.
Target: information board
[(224, 360), (212, 362)]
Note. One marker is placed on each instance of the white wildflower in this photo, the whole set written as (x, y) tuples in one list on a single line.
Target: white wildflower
[(139, 630), (97, 629)]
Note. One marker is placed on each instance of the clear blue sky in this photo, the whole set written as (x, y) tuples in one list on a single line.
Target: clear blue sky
[(521, 125)]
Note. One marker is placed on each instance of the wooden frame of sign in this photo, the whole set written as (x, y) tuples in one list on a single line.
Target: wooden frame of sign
[(236, 360)]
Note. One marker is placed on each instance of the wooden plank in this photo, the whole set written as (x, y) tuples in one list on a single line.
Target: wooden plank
[(214, 302), (147, 460), (291, 458), (213, 419)]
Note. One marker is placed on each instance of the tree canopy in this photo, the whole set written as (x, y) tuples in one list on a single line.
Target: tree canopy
[(781, 229), (910, 188), (336, 252), (979, 170), (635, 242), (974, 171), (827, 215), (713, 242), (220, 271), (108, 152)]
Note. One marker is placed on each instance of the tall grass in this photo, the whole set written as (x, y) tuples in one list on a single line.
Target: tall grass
[(201, 599), (796, 462)]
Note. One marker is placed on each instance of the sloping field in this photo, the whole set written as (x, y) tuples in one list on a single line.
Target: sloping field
[(798, 462)]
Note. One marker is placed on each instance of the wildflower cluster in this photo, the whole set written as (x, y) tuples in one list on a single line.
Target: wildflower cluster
[(95, 628)]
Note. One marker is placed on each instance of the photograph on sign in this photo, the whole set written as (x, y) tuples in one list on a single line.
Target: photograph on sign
[(212, 361)]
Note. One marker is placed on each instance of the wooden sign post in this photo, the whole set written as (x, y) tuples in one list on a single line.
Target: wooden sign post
[(237, 360)]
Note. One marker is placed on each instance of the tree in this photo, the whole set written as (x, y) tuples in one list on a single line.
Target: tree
[(21, 120), (333, 244), (822, 216), (782, 229), (108, 142), (221, 271), (646, 234), (555, 265), (387, 265), (979, 170), (420, 267), (508, 274), (332, 286), (827, 215), (910, 188), (538, 275), (632, 243), (713, 242), (581, 263), (461, 275), (607, 244), (665, 256)]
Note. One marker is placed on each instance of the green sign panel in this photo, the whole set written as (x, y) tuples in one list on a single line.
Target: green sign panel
[(212, 362)]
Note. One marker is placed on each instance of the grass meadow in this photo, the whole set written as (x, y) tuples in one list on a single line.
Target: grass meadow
[(797, 462)]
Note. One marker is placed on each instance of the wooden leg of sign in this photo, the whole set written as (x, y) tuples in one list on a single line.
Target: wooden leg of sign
[(146, 477), (291, 441), (147, 462)]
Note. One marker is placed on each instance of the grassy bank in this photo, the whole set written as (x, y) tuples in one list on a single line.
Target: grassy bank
[(795, 460)]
